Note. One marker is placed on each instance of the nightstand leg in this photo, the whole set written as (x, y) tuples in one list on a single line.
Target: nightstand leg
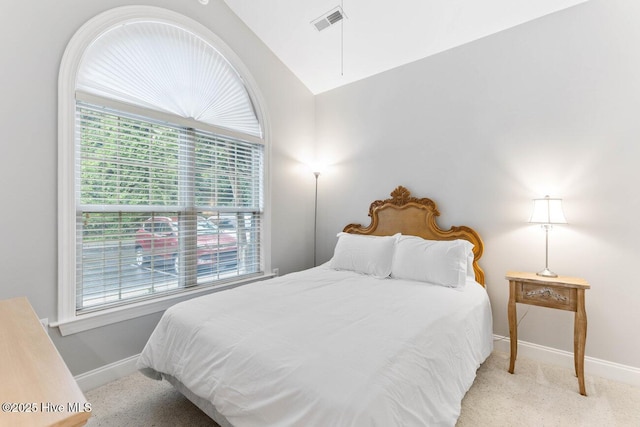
[(513, 325), (579, 340)]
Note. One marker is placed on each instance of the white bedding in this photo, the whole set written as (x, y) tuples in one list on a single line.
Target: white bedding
[(327, 348)]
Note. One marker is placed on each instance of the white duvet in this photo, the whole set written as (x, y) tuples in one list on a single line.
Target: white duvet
[(327, 348)]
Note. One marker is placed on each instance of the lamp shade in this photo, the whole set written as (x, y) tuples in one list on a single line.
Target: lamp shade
[(547, 211)]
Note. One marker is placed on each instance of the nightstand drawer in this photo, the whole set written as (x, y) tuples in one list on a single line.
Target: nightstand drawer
[(546, 295)]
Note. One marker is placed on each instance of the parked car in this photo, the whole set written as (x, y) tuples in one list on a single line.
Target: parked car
[(157, 241), (227, 223)]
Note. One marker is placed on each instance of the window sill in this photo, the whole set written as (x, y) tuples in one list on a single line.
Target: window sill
[(100, 318)]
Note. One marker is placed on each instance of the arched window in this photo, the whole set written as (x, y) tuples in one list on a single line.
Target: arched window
[(162, 165)]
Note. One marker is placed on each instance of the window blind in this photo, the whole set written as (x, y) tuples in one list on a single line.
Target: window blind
[(169, 69), (161, 207)]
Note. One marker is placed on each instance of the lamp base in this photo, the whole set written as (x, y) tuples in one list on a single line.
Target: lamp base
[(546, 273)]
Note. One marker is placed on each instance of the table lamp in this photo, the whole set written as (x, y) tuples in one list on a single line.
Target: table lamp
[(547, 212)]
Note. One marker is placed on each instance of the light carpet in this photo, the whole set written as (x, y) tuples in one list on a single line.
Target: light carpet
[(536, 395)]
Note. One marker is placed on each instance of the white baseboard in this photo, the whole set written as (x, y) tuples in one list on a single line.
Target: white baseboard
[(107, 373), (592, 366)]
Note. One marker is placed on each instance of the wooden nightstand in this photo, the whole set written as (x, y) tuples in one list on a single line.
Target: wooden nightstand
[(562, 292)]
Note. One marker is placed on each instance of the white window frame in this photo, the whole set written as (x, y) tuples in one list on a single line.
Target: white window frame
[(68, 321)]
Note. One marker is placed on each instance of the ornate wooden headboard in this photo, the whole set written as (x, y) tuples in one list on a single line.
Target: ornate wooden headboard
[(405, 214)]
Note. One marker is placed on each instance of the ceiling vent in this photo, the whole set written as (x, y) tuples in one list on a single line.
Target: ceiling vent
[(328, 19)]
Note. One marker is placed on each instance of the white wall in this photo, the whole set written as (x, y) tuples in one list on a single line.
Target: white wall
[(549, 107), (33, 36)]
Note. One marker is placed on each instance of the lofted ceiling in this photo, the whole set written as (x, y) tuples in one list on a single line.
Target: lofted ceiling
[(376, 35)]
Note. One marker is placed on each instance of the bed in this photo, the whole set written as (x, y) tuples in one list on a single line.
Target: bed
[(390, 331)]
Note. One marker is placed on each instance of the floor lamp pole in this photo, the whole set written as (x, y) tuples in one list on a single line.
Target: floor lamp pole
[(315, 221)]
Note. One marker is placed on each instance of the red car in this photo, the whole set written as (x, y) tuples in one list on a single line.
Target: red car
[(157, 241)]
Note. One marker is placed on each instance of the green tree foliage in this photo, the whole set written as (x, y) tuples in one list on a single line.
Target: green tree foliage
[(127, 162)]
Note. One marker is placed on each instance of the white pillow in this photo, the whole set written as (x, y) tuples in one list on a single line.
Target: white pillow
[(371, 255), (470, 272), (443, 262)]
